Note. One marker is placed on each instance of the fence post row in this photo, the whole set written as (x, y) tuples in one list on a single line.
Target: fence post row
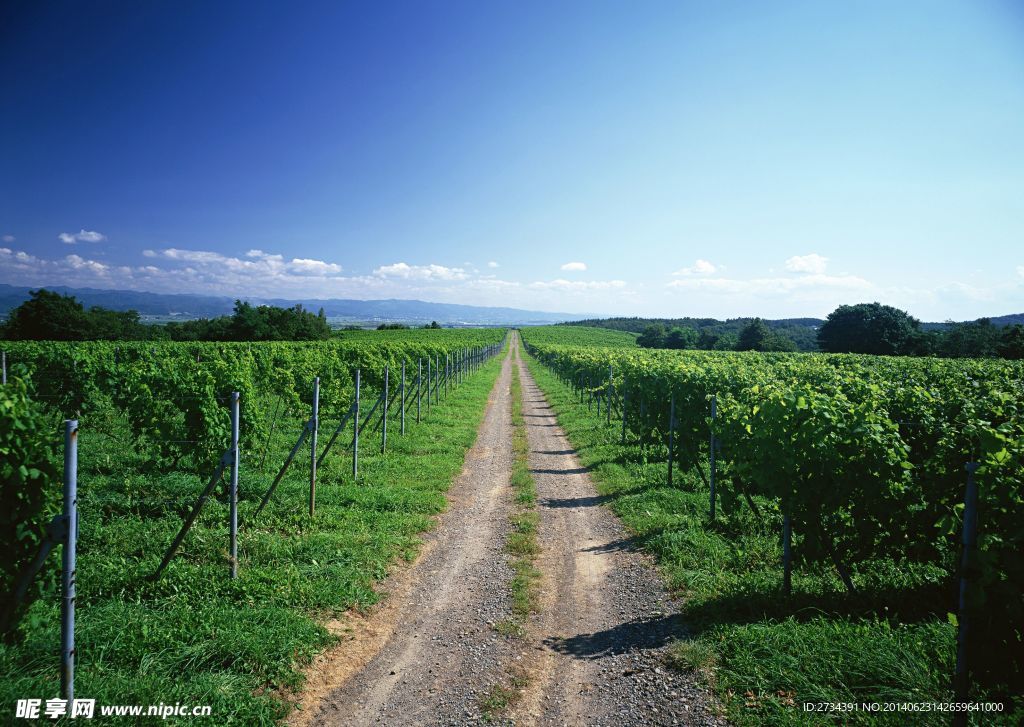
[(233, 493), (64, 528), (314, 423)]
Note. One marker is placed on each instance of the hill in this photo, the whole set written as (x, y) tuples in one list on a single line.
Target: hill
[(180, 306)]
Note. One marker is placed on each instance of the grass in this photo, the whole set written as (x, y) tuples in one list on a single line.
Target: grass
[(195, 636), (764, 654), (522, 541), (522, 545)]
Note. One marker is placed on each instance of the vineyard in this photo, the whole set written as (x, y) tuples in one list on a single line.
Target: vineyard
[(154, 421), (828, 492)]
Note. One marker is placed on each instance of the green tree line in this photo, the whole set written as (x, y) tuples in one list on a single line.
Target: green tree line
[(49, 316)]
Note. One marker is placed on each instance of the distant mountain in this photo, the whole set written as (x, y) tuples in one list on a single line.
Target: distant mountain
[(185, 306)]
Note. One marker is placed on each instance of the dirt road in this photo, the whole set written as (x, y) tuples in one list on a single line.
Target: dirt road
[(439, 654), (594, 655), (605, 620)]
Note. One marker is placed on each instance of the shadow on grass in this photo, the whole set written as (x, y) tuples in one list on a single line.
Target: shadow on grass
[(925, 602), (554, 451)]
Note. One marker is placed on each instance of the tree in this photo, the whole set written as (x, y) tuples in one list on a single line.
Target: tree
[(1011, 342), (433, 325), (681, 338), (726, 342), (708, 339), (753, 336), (48, 316), (867, 328), (976, 339), (652, 337)]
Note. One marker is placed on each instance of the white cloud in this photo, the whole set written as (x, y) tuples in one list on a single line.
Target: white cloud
[(700, 267), (1020, 270), (9, 238), (420, 272), (774, 286), (577, 285), (79, 263), (575, 267), (813, 263), (70, 238), (492, 264), (305, 266)]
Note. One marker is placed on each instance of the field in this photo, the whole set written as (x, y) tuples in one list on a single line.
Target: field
[(824, 569), (865, 459), (153, 423)]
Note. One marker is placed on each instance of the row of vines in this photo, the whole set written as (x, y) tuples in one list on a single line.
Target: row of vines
[(175, 394), (865, 455)]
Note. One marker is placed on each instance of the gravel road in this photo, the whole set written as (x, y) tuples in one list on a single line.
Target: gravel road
[(439, 654), (593, 655), (605, 619)]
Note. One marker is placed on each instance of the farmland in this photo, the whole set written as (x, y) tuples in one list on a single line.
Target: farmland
[(824, 569), (863, 460), (153, 421)]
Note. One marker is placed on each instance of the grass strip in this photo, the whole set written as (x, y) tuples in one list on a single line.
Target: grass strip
[(522, 545)]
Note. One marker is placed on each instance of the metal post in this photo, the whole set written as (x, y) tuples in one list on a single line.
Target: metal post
[(429, 364), (5, 368), (419, 386), (608, 407), (233, 494), (403, 396), (671, 434), (961, 678), (314, 424), (711, 462), (69, 576), (355, 433), (384, 416), (625, 403), (787, 555)]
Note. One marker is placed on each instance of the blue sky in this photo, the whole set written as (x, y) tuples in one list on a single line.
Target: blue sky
[(706, 159)]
